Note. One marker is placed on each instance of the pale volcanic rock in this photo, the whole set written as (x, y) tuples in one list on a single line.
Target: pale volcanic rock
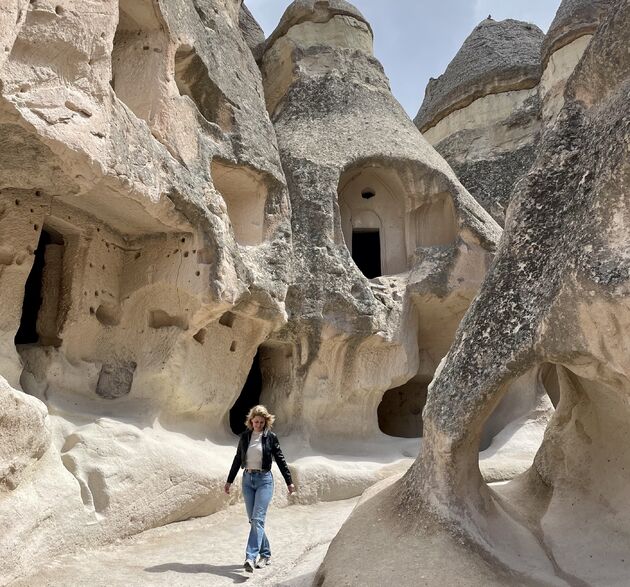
[(184, 234), (144, 253), (558, 294), (573, 19), (482, 113), (568, 36), (252, 32), (24, 434), (497, 56), (354, 355)]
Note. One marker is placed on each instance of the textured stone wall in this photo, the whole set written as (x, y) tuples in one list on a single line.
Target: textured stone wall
[(185, 231), (129, 152), (556, 300)]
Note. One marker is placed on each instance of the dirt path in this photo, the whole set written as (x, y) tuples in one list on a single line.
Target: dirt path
[(207, 551)]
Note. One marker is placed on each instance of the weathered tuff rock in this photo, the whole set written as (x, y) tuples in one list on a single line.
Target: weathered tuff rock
[(150, 282), (355, 343), (24, 434), (252, 32), (568, 36), (144, 253), (482, 113), (558, 293)]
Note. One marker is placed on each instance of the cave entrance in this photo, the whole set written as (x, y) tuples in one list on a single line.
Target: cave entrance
[(400, 410), (40, 308), (366, 251), (248, 398)]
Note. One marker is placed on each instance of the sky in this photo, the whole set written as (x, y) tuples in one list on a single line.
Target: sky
[(416, 39)]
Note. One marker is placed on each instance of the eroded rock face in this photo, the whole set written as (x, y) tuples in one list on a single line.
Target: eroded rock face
[(370, 199), (568, 36), (24, 432), (558, 293), (252, 32), (142, 242), (167, 254), (482, 114), (141, 200)]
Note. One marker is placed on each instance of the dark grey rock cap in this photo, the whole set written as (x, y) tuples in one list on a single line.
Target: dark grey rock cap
[(314, 11), (498, 56), (574, 19)]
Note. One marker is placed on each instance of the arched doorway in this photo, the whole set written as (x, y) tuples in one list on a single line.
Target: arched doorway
[(373, 221)]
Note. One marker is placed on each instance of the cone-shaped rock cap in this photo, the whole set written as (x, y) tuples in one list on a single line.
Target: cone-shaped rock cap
[(498, 56), (574, 19), (314, 11)]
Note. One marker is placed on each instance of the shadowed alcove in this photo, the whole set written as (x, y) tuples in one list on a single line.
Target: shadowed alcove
[(193, 80), (400, 410), (244, 191), (40, 319), (138, 58), (435, 222), (248, 398), (373, 219)]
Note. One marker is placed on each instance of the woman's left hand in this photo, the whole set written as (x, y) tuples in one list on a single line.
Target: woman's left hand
[(291, 488)]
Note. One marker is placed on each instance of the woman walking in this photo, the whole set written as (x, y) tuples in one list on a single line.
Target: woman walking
[(257, 448)]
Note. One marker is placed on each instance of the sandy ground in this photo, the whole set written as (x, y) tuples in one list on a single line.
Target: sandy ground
[(206, 551)]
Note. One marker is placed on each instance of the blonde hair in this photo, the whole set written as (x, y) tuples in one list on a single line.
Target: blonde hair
[(263, 413)]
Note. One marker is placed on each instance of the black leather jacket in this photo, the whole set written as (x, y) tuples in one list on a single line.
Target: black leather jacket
[(271, 450)]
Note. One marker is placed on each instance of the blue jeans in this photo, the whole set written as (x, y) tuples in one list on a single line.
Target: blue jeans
[(257, 492)]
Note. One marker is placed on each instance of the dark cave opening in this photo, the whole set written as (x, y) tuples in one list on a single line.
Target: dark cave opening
[(400, 410), (248, 398), (27, 332), (366, 252)]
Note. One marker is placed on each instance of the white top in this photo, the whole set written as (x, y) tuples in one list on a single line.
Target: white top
[(254, 452)]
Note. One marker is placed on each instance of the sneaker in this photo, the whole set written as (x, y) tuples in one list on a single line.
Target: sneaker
[(249, 566), (263, 561)]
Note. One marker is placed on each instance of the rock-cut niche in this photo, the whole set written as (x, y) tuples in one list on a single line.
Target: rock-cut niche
[(138, 58), (373, 220), (435, 222), (43, 305), (193, 80), (244, 191)]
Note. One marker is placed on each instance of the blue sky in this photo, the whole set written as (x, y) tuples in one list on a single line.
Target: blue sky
[(416, 39)]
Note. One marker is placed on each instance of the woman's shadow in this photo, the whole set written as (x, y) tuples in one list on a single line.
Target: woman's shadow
[(229, 571)]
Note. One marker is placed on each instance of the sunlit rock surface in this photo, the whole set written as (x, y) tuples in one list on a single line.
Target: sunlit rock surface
[(557, 294)]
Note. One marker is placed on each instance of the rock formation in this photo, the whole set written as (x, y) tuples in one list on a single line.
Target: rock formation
[(252, 33), (194, 219), (151, 288), (370, 199), (144, 253), (557, 294), (482, 114), (568, 36)]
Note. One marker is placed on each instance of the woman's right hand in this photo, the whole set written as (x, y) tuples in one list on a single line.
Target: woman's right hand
[(227, 488)]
